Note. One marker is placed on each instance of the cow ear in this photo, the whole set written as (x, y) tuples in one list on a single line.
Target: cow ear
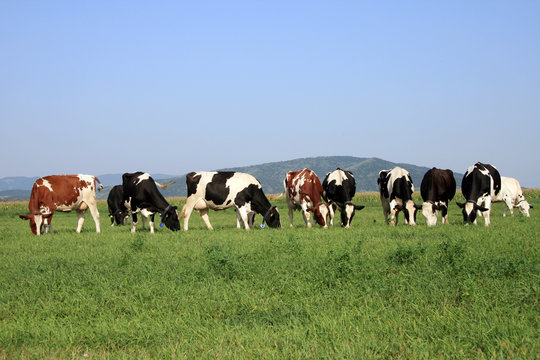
[(417, 207), (398, 208), (461, 205), (359, 207), (530, 206), (25, 217), (481, 208)]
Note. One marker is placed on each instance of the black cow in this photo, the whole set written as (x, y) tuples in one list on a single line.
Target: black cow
[(437, 189), (118, 211), (396, 188), (339, 188), (224, 189), (480, 183), (141, 195)]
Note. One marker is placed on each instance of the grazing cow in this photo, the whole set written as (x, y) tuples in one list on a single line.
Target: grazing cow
[(118, 211), (437, 189), (396, 189), (339, 188), (62, 193), (142, 195), (224, 189), (480, 184), (303, 191), (512, 195)]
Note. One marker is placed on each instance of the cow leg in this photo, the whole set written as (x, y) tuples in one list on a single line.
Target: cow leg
[(239, 222), (393, 213), (95, 215), (133, 221), (204, 216), (80, 222), (152, 222), (188, 209), (244, 215), (508, 205), (444, 214), (291, 216), (487, 204), (47, 227), (331, 211), (306, 215)]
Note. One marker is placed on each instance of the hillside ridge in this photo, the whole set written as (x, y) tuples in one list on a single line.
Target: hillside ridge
[(271, 175)]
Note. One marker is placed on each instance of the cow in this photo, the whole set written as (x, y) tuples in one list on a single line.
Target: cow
[(303, 191), (437, 189), (396, 188), (512, 195), (118, 211), (142, 195), (219, 190), (339, 187), (480, 184), (63, 193)]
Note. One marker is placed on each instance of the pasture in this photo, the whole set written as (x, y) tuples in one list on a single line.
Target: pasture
[(371, 291)]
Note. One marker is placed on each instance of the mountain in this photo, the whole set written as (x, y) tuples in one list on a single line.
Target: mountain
[(271, 175), (17, 183)]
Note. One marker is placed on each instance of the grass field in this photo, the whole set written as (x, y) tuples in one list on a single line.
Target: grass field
[(371, 291)]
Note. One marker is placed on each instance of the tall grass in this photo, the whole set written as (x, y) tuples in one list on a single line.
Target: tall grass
[(371, 291)]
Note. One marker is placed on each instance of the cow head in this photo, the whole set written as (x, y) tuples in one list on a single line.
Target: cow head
[(272, 218), (36, 221), (409, 211), (469, 210), (347, 212), (119, 217), (170, 218), (524, 206), (429, 210), (320, 214)]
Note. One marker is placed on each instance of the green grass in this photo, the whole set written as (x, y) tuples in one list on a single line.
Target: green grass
[(371, 291)]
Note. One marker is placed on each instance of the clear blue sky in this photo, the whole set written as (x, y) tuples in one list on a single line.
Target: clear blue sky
[(174, 86)]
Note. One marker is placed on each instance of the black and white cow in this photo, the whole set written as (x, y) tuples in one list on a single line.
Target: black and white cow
[(141, 195), (437, 189), (480, 184), (224, 189), (118, 211), (396, 189), (339, 187)]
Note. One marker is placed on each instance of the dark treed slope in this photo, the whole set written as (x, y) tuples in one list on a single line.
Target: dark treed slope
[(271, 175)]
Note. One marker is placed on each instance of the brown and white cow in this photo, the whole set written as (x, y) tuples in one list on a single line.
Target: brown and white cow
[(303, 191), (62, 193)]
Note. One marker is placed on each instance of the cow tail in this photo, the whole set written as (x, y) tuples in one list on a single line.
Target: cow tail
[(100, 187)]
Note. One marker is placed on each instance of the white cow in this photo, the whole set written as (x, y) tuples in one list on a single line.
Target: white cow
[(512, 195)]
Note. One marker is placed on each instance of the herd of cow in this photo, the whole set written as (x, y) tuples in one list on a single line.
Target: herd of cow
[(481, 185)]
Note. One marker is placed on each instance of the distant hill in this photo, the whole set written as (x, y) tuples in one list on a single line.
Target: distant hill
[(271, 175), (17, 183)]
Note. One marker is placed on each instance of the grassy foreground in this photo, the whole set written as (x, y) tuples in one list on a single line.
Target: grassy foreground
[(371, 291)]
